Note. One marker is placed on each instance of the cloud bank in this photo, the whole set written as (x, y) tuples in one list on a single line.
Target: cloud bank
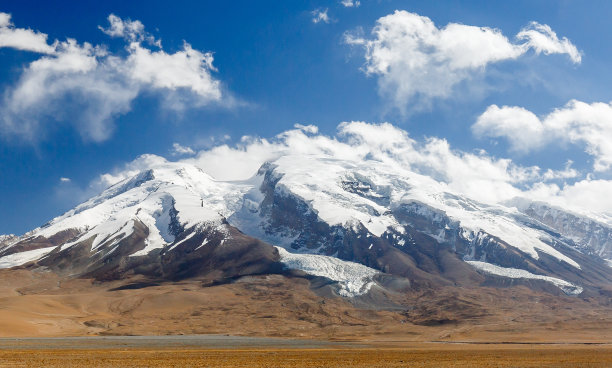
[(578, 123), (415, 61), (88, 86), (479, 175)]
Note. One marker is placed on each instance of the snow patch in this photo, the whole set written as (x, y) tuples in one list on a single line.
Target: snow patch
[(204, 242), (182, 241)]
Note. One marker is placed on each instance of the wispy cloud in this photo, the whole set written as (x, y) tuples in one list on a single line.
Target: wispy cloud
[(180, 150), (130, 30), (350, 3), (320, 15)]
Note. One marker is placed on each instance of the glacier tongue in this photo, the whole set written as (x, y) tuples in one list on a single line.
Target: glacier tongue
[(354, 279), (515, 273)]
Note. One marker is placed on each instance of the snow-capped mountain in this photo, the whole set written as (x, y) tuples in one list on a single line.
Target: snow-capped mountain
[(357, 224)]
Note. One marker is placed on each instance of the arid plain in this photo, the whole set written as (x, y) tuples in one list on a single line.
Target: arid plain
[(488, 327)]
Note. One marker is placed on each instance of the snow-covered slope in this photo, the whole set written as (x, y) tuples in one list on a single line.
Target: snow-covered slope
[(590, 234), (165, 198), (7, 240), (152, 222), (315, 207)]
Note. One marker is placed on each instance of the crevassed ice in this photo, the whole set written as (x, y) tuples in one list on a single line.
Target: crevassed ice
[(354, 278)]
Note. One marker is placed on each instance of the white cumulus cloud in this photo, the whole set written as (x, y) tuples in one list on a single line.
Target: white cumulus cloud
[(22, 39), (188, 68), (416, 60), (579, 123), (88, 86)]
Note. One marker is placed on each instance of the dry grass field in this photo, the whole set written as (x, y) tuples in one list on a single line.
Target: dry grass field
[(420, 356)]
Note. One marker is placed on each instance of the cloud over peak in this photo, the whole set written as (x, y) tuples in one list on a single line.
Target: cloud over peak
[(478, 175), (415, 60), (180, 150)]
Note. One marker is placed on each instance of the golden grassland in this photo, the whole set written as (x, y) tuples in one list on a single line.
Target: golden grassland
[(420, 356)]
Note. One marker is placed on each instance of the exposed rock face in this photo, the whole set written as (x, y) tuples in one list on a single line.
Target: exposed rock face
[(173, 221)]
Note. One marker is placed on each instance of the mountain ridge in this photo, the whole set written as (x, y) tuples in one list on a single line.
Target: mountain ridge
[(175, 221)]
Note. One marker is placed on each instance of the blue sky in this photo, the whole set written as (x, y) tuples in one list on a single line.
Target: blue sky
[(276, 67)]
